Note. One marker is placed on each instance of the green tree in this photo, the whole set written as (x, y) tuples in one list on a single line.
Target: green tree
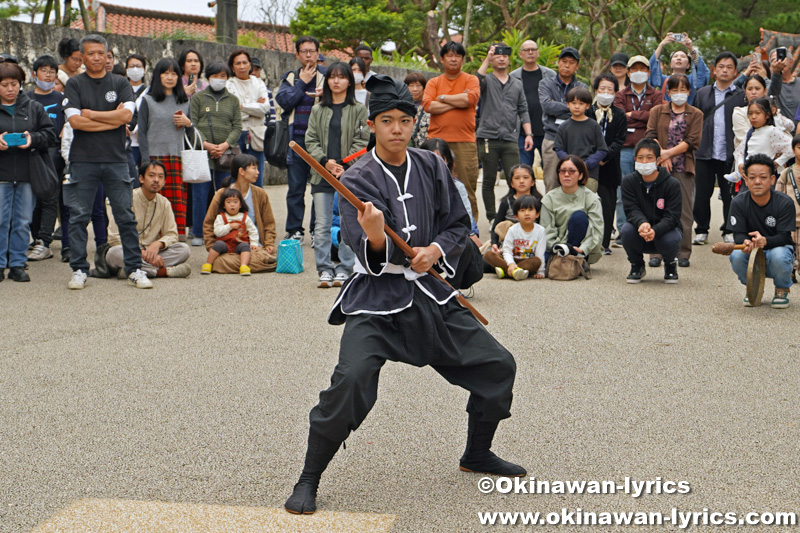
[(340, 24), (8, 9)]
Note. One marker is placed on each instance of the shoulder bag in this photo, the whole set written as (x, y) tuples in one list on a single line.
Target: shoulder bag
[(567, 268), (195, 161), (44, 180)]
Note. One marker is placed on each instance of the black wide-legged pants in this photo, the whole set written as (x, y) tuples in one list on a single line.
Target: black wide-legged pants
[(446, 337)]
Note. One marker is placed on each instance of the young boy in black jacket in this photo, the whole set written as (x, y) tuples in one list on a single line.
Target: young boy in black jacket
[(652, 202)]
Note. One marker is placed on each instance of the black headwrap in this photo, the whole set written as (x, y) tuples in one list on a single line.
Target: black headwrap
[(386, 94)]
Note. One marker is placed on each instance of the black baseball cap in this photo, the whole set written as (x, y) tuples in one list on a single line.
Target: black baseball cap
[(256, 62), (570, 51), (619, 59)]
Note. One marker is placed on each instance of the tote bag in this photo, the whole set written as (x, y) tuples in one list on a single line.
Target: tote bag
[(194, 161), (290, 257)]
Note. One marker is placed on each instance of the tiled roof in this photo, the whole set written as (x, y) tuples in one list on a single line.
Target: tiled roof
[(147, 23)]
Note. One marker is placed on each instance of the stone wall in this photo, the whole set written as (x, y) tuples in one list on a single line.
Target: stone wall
[(29, 41)]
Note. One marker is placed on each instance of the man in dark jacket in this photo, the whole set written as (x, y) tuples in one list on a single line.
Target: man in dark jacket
[(715, 155), (300, 89), (652, 202)]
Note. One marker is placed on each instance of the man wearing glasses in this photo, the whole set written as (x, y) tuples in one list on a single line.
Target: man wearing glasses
[(300, 89), (531, 73)]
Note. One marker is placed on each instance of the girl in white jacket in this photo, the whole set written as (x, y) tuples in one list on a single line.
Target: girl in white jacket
[(762, 138)]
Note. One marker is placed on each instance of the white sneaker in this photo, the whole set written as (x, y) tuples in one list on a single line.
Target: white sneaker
[(700, 239), (197, 241), (728, 238), (297, 235), (139, 279), (325, 280), (78, 280), (40, 252), (179, 271), (339, 279)]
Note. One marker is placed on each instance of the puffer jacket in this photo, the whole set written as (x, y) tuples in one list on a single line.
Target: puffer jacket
[(29, 116)]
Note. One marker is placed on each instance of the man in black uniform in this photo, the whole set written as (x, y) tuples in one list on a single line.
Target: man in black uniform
[(763, 218), (392, 309)]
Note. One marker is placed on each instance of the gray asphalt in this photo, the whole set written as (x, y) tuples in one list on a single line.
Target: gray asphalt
[(198, 391)]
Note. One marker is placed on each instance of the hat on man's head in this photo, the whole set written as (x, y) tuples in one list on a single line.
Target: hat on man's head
[(256, 62), (619, 59), (386, 93), (570, 52), (638, 59)]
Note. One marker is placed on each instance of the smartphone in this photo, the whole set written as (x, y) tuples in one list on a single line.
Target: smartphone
[(191, 78), (502, 50), (780, 53), (179, 112), (679, 37), (15, 139)]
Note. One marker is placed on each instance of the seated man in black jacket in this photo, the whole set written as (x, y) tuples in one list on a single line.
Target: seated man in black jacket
[(763, 218), (652, 202)]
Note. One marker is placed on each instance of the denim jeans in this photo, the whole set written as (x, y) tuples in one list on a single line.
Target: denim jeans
[(16, 211), (526, 158), (780, 262), (626, 167), (80, 196), (298, 174), (200, 200), (323, 203), (255, 153)]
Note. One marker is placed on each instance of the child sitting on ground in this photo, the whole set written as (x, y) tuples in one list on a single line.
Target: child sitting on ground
[(524, 243), (234, 231), (581, 136), (522, 184)]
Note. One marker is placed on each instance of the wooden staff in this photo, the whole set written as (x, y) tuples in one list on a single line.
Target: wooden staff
[(725, 248), (358, 204)]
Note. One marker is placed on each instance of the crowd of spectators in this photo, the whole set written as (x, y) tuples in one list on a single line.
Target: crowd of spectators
[(639, 136)]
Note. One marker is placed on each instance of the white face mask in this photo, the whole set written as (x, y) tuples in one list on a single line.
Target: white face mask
[(605, 99), (135, 73), (645, 169), (359, 77), (639, 77), (217, 84), (679, 98)]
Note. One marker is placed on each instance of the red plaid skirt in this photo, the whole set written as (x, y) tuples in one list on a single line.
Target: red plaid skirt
[(174, 190)]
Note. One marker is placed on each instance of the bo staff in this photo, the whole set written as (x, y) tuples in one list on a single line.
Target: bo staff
[(358, 204), (725, 248), (355, 155)]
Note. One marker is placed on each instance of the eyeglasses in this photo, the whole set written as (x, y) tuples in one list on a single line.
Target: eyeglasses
[(307, 52), (568, 171), (528, 50)]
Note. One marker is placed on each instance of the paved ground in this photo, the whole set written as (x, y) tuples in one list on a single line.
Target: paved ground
[(185, 408)]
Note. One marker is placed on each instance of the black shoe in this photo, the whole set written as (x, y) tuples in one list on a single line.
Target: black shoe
[(65, 255), (304, 496), (654, 262), (671, 272), (2, 275), (18, 274), (683, 262), (479, 458), (637, 273)]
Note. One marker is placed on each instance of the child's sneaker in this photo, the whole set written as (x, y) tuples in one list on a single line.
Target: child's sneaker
[(500, 272), (244, 270), (781, 299), (206, 268), (179, 271), (519, 274)]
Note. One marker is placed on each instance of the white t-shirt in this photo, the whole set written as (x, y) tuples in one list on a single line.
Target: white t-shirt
[(519, 244)]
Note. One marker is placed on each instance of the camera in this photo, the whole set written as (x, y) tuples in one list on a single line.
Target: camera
[(502, 50), (15, 139), (679, 37), (780, 53)]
